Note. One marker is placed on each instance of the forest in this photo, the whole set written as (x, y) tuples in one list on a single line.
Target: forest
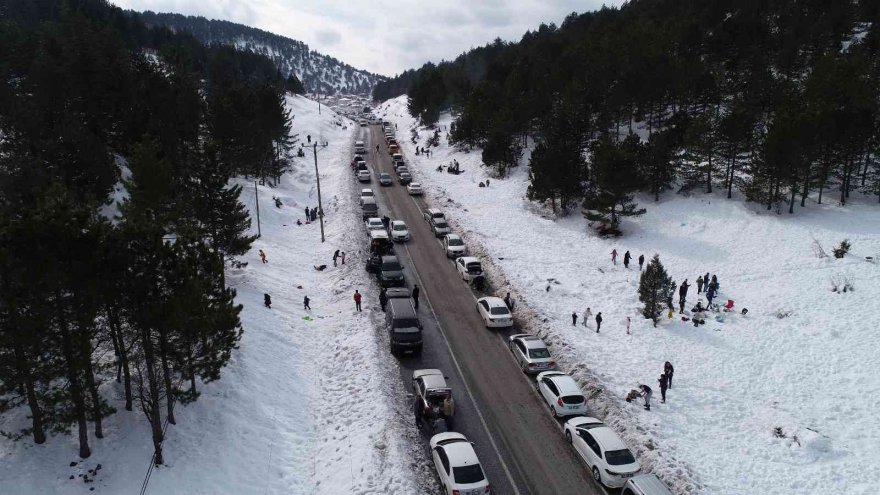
[(775, 100), (127, 309)]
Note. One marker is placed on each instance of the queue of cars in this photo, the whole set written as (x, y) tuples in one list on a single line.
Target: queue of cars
[(607, 458)]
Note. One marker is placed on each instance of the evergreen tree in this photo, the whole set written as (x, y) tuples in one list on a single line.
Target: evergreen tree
[(656, 288), (615, 177)]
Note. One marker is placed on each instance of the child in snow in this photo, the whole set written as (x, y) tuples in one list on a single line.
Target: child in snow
[(700, 284), (306, 302), (267, 301), (587, 315), (641, 261), (646, 392), (626, 258), (574, 318), (614, 256), (627, 322), (664, 382), (668, 370), (263, 256), (598, 321)]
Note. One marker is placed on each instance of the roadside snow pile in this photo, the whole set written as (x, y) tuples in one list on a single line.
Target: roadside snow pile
[(781, 400), (309, 402)]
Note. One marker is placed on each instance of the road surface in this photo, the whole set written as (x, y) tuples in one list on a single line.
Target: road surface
[(521, 447)]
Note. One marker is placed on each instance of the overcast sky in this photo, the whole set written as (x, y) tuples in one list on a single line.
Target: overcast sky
[(383, 36)]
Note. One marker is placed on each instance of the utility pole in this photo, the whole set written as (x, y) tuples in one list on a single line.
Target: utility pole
[(318, 179), (257, 202), (319, 102)]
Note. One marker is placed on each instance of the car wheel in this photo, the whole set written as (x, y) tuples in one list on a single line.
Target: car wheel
[(553, 411), (524, 368), (596, 475), (568, 435)]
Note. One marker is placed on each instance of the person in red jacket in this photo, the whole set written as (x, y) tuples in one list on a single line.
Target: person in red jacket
[(357, 300)]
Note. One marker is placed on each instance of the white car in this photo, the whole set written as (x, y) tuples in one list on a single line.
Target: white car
[(610, 462), (562, 394), (432, 213), (367, 193), (364, 175), (468, 267), (457, 465), (398, 231), (454, 246), (494, 312), (531, 353), (374, 223), (414, 189)]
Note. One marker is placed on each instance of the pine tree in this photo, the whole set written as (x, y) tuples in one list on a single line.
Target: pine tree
[(656, 287), (615, 177)]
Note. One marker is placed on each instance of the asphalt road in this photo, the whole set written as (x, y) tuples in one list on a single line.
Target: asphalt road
[(521, 447)]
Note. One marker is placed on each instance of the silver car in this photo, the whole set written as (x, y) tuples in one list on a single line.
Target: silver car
[(440, 227), (531, 353)]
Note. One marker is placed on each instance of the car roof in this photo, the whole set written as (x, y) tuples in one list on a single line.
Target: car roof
[(384, 174), (607, 438), (415, 184), (366, 189), (492, 301), (471, 259), (453, 236), (583, 421), (433, 210), (650, 483), (434, 381), (398, 222), (374, 220), (388, 258), (378, 234), (461, 453), (532, 341)]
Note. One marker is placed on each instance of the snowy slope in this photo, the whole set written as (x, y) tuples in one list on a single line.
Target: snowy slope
[(319, 73), (812, 374), (309, 403)]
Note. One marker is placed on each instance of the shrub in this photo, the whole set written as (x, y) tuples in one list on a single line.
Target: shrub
[(841, 250)]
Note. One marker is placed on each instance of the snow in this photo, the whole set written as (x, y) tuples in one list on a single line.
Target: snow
[(310, 402), (110, 211), (760, 403)]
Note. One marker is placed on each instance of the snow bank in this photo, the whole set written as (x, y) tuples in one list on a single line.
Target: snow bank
[(309, 402), (760, 403)]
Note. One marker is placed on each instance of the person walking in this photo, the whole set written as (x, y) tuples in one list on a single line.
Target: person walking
[(267, 301), (646, 392), (710, 294), (335, 256), (263, 256), (308, 215), (306, 302), (706, 281), (487, 182), (614, 256), (664, 382), (641, 261), (586, 317), (415, 296), (574, 318), (357, 300), (628, 321), (309, 137), (668, 370), (714, 283), (598, 321), (383, 298), (342, 254), (700, 284), (626, 258)]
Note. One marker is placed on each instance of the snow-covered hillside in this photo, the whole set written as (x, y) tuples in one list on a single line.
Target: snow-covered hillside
[(319, 73), (309, 403), (782, 400)]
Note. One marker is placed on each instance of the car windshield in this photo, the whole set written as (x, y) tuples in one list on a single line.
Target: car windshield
[(384, 176), (468, 474), (539, 353), (366, 193), (400, 226), (440, 224), (455, 242), (475, 268), (619, 457), (499, 310), (391, 266)]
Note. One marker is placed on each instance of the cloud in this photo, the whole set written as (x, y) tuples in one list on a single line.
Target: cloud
[(384, 36), (328, 37)]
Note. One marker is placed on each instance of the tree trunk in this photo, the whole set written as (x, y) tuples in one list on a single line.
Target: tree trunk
[(166, 375), (791, 202), (93, 392), (27, 381), (192, 375), (806, 190), (709, 175), (76, 395), (123, 356), (153, 415)]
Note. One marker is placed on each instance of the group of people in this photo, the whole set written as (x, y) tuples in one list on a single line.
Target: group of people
[(424, 151), (311, 214), (645, 391), (627, 258), (588, 313)]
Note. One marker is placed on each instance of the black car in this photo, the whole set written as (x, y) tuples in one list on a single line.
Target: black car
[(390, 272)]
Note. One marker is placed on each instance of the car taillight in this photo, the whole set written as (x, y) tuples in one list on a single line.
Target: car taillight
[(488, 489), (551, 364), (455, 492), (559, 401), (531, 365)]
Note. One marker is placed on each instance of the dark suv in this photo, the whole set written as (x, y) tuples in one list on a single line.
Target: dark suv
[(390, 272)]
